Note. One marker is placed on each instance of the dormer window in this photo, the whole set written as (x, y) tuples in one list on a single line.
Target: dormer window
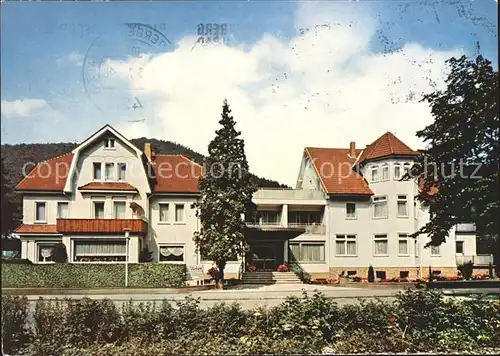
[(109, 171), (122, 169), (97, 171), (109, 143)]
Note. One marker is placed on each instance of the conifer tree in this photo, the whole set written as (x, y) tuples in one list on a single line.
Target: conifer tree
[(9, 216), (226, 190)]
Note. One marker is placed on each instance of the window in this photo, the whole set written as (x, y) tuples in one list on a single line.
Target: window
[(99, 210), (435, 251), (270, 217), (407, 167), (380, 207), (459, 247), (179, 212), (374, 174), (97, 170), (381, 245), (122, 170), (171, 253), (385, 172), (403, 245), (380, 275), (108, 171), (307, 252), (397, 171), (350, 210), (99, 251), (402, 206), (119, 209), (404, 274), (300, 217), (345, 245), (163, 212), (45, 252), (109, 143), (62, 210), (40, 215)]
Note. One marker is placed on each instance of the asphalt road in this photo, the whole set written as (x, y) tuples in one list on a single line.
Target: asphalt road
[(251, 296)]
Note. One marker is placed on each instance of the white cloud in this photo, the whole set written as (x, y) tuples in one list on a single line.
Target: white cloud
[(323, 88), (24, 108)]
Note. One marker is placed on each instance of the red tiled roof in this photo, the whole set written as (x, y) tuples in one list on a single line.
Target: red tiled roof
[(334, 167), (102, 225), (108, 186), (386, 145), (175, 174), (49, 175), (36, 229)]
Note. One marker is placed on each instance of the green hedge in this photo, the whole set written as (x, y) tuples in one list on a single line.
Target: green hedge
[(68, 275), (415, 322)]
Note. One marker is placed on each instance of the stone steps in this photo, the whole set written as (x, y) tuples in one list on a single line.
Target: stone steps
[(270, 278)]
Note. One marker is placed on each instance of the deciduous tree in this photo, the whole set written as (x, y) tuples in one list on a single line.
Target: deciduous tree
[(459, 168)]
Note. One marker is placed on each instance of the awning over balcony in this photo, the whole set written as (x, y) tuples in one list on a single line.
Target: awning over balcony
[(105, 226)]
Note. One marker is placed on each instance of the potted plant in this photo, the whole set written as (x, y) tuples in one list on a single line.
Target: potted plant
[(283, 268)]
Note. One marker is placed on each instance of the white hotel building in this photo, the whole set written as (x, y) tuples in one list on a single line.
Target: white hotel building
[(107, 200)]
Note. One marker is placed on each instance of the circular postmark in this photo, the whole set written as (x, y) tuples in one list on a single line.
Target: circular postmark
[(113, 67)]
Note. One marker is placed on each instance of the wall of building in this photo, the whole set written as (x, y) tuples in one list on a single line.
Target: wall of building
[(173, 232), (81, 203)]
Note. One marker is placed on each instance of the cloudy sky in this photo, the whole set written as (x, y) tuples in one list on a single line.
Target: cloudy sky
[(295, 74)]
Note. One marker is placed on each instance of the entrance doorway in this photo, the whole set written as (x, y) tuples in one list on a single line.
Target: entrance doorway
[(266, 256)]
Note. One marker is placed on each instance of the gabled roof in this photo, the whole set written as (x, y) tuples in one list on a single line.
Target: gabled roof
[(175, 174), (386, 145), (334, 168), (88, 141), (108, 186), (50, 175)]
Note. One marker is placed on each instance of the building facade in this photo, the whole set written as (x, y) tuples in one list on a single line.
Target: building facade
[(108, 200)]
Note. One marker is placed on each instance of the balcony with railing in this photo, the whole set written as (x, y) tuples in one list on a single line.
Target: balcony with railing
[(105, 226), (477, 260), (289, 196), (468, 227)]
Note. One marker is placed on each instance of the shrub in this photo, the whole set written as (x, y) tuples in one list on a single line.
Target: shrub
[(417, 321), (145, 255), (466, 269), (283, 268), (69, 275), (371, 274), (59, 254), (15, 330), (214, 273)]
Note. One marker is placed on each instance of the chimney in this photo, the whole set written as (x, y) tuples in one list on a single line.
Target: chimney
[(147, 150), (352, 149)]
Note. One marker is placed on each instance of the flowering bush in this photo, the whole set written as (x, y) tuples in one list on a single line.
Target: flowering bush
[(332, 281), (479, 276), (283, 268), (251, 268), (214, 273)]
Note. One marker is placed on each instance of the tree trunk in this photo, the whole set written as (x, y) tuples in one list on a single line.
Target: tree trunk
[(221, 266)]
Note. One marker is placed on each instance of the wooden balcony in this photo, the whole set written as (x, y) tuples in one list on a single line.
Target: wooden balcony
[(104, 226)]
